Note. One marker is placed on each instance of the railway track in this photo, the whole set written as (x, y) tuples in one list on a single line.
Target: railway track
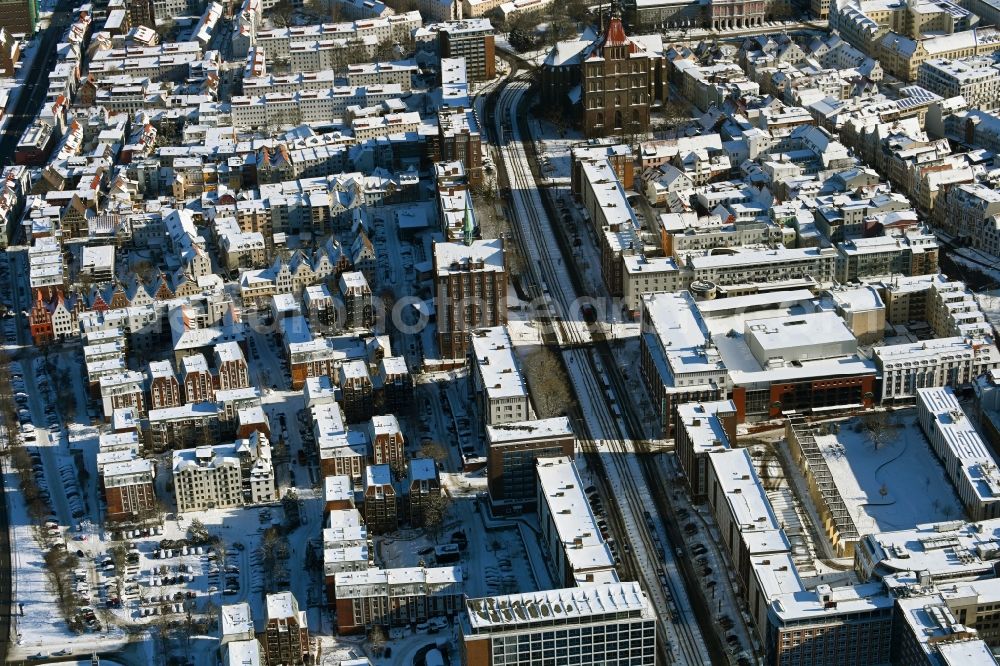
[(680, 639)]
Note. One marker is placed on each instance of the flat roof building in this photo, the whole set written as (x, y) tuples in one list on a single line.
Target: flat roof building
[(609, 625)]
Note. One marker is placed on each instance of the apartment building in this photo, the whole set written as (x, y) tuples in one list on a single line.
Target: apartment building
[(394, 386), (470, 291), (908, 368), (591, 625), (277, 42), (238, 644), (387, 441), (512, 452), (423, 484), (231, 367), (286, 634), (396, 597), (975, 79), (497, 381), (224, 475), (356, 295), (346, 547), (380, 73), (357, 391), (19, 16), (756, 266), (912, 253), (198, 384), (321, 311), (187, 425), (122, 390), (460, 139), (164, 389), (471, 39), (128, 488), (381, 506)]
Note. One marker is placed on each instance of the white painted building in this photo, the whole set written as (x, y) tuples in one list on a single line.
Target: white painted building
[(965, 456), (496, 377)]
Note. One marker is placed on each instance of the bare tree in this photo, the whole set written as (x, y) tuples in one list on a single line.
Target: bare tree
[(402, 6), (550, 390), (436, 451), (283, 11), (434, 511), (876, 424), (377, 638)]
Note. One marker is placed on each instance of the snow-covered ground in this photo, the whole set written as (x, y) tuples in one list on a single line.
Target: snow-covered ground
[(554, 144), (894, 487)]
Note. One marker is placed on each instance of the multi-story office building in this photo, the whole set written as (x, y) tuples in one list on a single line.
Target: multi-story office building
[(470, 291), (577, 553), (590, 625), (497, 382), (966, 457), (512, 450), (702, 428), (286, 634)]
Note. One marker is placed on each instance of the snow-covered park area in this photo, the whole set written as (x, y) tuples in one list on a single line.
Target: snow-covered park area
[(892, 487)]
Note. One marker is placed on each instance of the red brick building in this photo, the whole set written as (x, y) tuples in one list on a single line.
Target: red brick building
[(386, 440), (128, 489), (286, 635), (471, 291), (613, 81), (380, 509), (231, 366), (395, 597), (198, 384), (164, 389)]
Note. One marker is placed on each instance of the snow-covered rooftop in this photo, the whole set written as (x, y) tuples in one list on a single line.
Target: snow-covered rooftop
[(558, 426), (592, 603), (236, 619), (281, 605), (560, 487), (497, 364)]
